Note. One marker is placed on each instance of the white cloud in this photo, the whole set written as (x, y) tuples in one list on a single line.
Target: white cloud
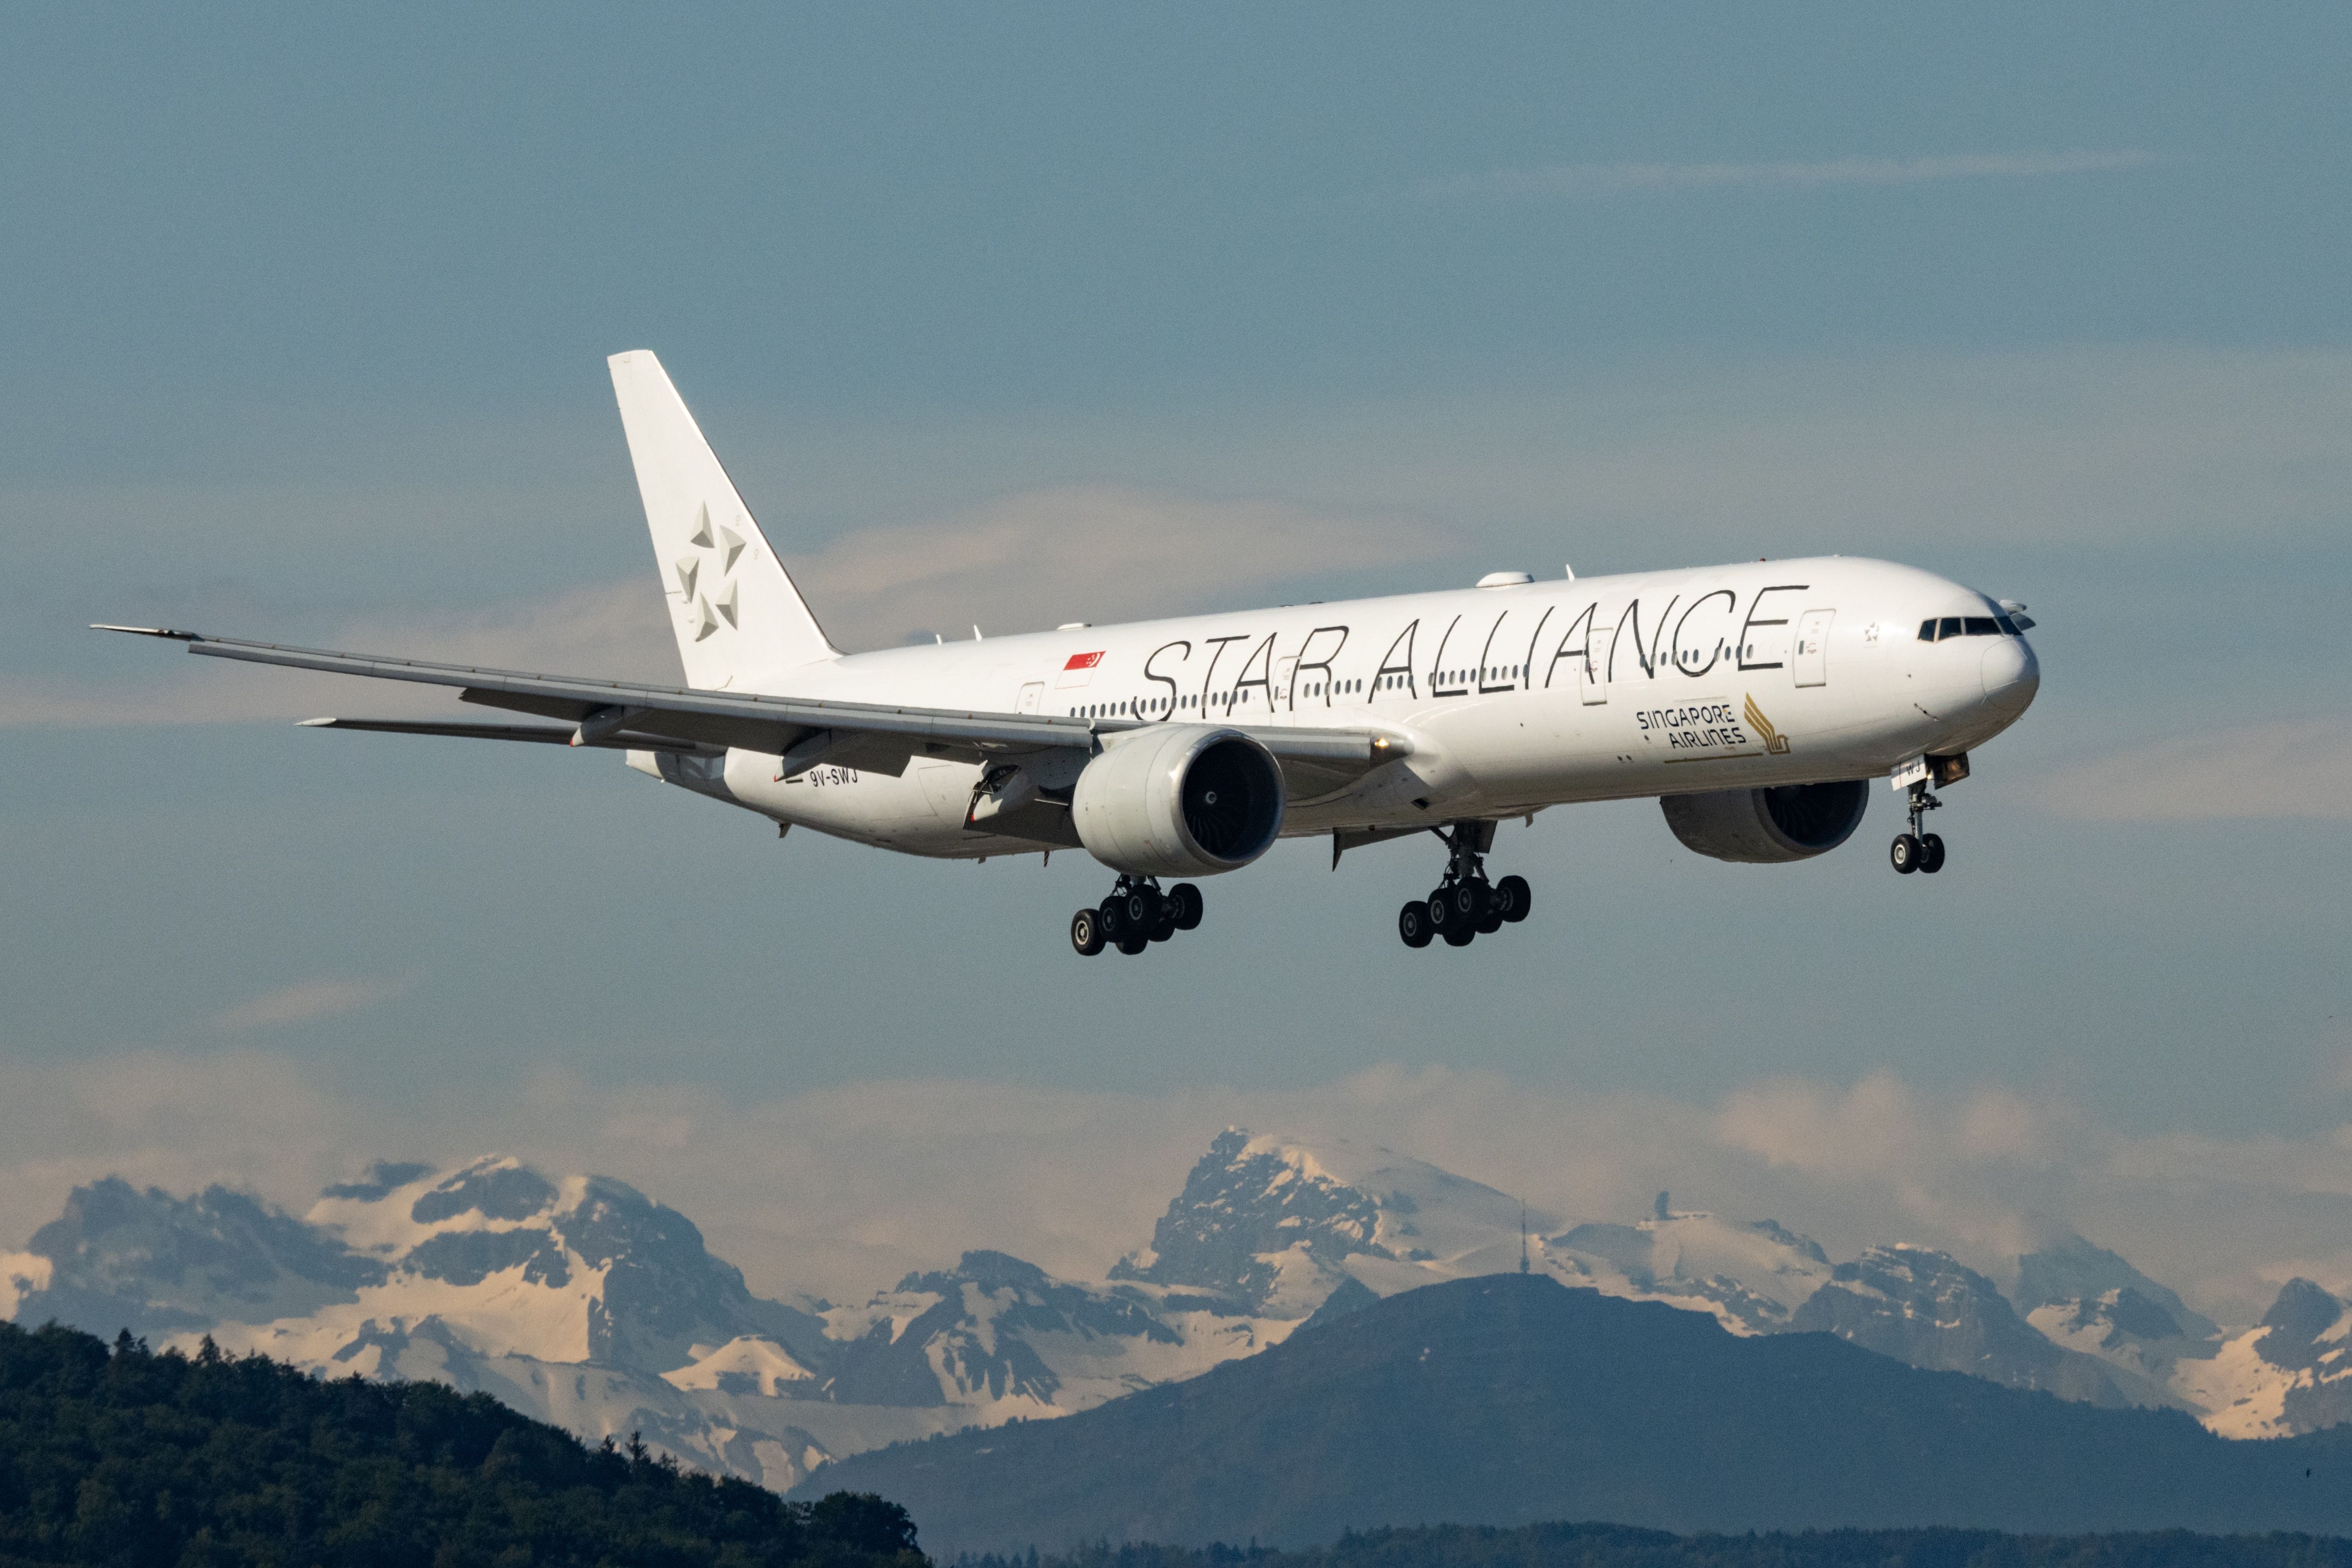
[(841, 1190), (2283, 771), (304, 1002), (1573, 180), (1081, 552)]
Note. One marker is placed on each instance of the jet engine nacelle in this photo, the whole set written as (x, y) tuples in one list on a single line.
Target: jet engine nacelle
[(1768, 827), (1179, 800)]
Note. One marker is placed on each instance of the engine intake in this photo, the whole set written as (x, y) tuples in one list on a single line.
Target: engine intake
[(1179, 800), (1768, 827)]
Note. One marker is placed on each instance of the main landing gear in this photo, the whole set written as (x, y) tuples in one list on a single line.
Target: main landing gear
[(1915, 850), (1465, 906), (1136, 915)]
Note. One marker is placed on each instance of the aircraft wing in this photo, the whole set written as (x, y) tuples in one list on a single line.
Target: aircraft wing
[(803, 730)]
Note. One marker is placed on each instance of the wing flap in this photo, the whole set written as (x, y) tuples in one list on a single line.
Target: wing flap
[(620, 740)]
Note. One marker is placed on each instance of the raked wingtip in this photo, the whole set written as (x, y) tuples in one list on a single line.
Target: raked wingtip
[(144, 631)]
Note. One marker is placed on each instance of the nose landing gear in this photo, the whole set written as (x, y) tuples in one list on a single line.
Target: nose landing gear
[(1465, 906), (1915, 850), (1136, 915)]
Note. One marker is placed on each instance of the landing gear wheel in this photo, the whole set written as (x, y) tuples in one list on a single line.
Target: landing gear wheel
[(1142, 909), (1413, 924), (1906, 853), (1113, 919), (1185, 899), (1086, 933), (1465, 906), (1931, 854), (1165, 928), (1131, 945)]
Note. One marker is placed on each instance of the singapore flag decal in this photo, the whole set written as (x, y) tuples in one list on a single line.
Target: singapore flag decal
[(1080, 668)]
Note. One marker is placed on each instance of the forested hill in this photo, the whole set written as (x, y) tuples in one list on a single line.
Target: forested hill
[(120, 1456), (1622, 1546)]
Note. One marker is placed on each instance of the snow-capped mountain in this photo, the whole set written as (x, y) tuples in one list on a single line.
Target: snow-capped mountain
[(583, 1301), (2291, 1373), (1272, 1229), (1922, 1307), (1751, 1274)]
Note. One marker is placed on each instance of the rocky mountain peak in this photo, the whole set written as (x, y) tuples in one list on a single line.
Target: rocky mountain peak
[(494, 1188), (1251, 1209), (2295, 1329), (1927, 1308), (157, 1265), (2075, 1274)]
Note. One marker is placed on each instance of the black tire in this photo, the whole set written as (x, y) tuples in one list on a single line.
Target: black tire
[(1165, 928), (1114, 919), (1459, 933), (1515, 897), (1413, 923), (1469, 903), (1086, 933), (1441, 909), (1906, 853), (1142, 909), (1131, 945), (1185, 899)]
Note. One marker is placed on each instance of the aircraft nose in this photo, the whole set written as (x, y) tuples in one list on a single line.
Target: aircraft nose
[(2011, 676)]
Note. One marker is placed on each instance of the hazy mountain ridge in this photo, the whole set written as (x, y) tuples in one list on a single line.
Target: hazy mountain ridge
[(586, 1303), (1507, 1399)]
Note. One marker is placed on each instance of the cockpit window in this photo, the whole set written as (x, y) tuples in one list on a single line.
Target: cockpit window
[(2007, 626), (1949, 628), (1983, 626), (1928, 631)]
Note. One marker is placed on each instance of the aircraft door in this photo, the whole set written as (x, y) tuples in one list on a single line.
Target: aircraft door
[(1031, 695), (1592, 669), (1813, 660)]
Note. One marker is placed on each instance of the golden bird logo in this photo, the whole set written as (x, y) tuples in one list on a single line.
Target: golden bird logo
[(1775, 742)]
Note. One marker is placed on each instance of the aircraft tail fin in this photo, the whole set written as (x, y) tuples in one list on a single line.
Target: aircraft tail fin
[(739, 620)]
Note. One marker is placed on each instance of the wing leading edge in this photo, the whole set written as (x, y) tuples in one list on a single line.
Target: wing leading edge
[(881, 739)]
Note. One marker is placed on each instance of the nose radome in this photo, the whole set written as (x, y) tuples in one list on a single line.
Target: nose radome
[(2011, 677)]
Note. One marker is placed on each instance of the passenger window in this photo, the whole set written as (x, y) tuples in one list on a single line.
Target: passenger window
[(1982, 626)]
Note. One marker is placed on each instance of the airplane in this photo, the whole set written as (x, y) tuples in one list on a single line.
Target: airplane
[(1755, 701)]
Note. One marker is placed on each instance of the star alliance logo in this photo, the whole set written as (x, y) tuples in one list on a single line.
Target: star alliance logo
[(1775, 744), (710, 611)]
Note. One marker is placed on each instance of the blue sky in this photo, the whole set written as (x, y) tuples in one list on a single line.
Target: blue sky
[(308, 316)]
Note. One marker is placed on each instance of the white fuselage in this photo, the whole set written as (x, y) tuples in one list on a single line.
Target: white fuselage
[(1513, 699)]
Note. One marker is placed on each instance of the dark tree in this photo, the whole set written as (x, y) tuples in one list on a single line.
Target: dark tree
[(123, 1458)]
